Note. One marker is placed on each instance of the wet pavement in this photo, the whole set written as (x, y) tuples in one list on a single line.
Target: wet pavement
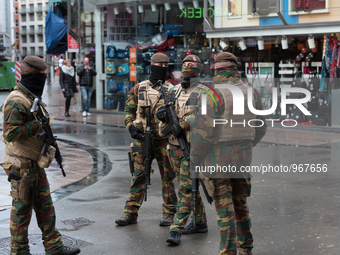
[(292, 212)]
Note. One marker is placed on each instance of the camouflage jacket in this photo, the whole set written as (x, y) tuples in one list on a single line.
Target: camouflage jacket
[(18, 121), (203, 131)]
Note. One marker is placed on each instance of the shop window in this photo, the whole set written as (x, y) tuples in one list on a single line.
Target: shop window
[(308, 6), (262, 7)]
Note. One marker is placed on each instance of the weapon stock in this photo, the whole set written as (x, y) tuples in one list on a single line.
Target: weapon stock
[(47, 135)]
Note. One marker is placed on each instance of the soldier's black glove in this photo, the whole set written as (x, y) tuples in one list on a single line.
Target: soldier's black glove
[(176, 130), (136, 133), (162, 115)]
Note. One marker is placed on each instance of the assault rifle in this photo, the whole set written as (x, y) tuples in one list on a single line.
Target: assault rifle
[(173, 120), (146, 147), (47, 135)]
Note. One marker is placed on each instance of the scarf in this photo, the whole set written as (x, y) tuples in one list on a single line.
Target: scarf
[(227, 74), (189, 73), (68, 70), (158, 73), (33, 82)]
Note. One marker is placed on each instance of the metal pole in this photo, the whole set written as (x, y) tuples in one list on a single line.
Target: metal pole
[(68, 21), (99, 59)]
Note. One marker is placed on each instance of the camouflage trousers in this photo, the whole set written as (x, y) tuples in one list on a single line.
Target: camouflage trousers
[(182, 169), (233, 217), (137, 188), (21, 214)]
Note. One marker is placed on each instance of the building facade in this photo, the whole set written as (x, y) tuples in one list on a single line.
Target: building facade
[(5, 29), (32, 14)]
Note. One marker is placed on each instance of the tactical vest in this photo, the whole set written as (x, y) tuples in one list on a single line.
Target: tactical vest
[(149, 96), (183, 108), (236, 131), (28, 149)]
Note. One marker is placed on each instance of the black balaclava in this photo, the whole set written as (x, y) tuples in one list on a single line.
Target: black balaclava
[(34, 82), (158, 73)]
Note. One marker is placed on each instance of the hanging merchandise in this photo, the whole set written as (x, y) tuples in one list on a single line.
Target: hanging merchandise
[(112, 86), (123, 69), (334, 60), (269, 83), (323, 75), (188, 50), (110, 51), (110, 67), (328, 54)]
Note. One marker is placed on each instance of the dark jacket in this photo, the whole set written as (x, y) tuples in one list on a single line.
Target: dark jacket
[(86, 76), (68, 83)]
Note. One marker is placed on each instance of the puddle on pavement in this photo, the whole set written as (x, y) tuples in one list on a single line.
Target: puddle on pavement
[(101, 167)]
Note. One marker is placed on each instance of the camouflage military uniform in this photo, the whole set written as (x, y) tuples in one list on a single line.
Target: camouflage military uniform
[(19, 125), (229, 192), (137, 188), (182, 167)]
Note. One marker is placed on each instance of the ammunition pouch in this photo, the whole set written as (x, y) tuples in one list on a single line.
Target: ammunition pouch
[(44, 161), (215, 187), (167, 151), (21, 188), (208, 183)]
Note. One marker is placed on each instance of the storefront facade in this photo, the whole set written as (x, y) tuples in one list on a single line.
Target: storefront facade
[(282, 37)]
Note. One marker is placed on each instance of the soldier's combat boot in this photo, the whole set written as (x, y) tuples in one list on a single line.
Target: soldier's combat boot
[(247, 254), (166, 221), (125, 220), (200, 228), (68, 251), (174, 238)]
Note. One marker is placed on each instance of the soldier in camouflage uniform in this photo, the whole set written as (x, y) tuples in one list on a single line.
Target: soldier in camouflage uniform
[(20, 129), (191, 68), (225, 145), (146, 93)]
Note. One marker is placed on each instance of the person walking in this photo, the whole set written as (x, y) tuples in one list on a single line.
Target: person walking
[(29, 183), (228, 145), (68, 84), (86, 72), (142, 94)]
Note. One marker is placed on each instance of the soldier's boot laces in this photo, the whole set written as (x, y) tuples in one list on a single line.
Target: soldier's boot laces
[(200, 228), (174, 238), (68, 251), (125, 220), (166, 221)]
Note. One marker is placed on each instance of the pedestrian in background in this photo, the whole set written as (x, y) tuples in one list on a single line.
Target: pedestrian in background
[(86, 72), (68, 84), (60, 63)]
